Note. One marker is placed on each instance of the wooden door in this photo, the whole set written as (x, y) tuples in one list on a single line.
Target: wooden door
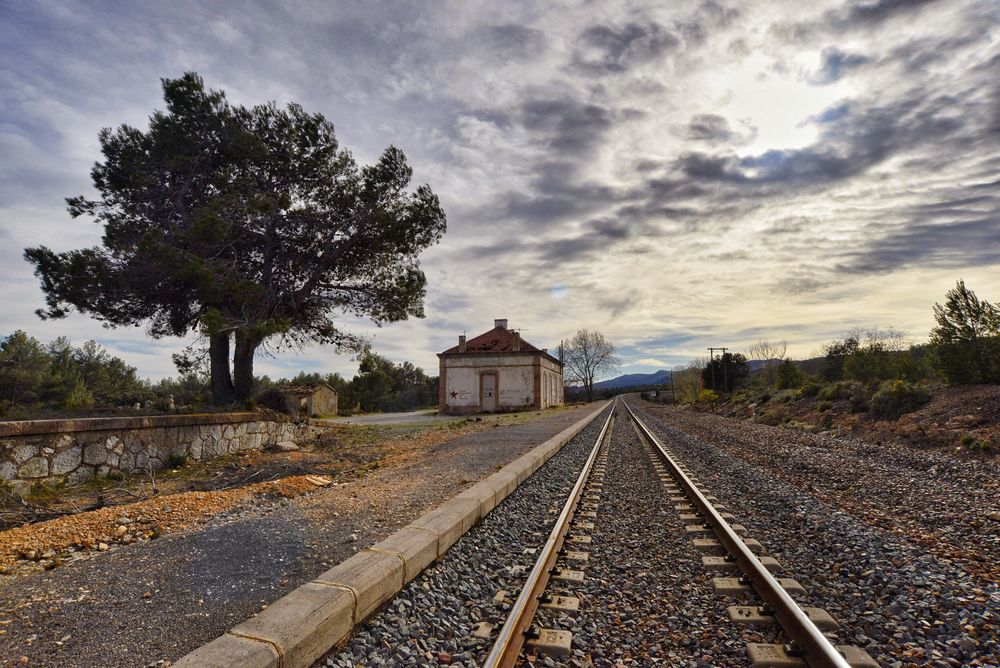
[(488, 392)]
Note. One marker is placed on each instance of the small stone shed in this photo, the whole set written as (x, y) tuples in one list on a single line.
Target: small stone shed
[(308, 401), (498, 371)]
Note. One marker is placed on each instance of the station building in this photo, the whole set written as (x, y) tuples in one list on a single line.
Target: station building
[(498, 371)]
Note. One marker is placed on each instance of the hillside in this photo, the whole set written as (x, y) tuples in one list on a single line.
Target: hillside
[(634, 380)]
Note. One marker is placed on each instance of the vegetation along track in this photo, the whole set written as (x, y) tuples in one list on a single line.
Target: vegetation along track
[(609, 555)]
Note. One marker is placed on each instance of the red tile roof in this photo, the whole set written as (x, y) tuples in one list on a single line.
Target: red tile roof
[(497, 340)]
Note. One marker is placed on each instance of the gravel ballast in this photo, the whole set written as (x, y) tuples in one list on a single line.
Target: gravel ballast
[(902, 604), (948, 503), (646, 599), (432, 620)]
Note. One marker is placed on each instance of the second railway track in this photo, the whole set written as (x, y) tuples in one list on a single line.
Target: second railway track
[(618, 556)]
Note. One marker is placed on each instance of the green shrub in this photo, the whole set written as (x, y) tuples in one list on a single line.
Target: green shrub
[(851, 390), (826, 422), (859, 399), (810, 389), (976, 444), (831, 391), (784, 396), (788, 375), (823, 405), (708, 396), (764, 398), (176, 460), (898, 397)]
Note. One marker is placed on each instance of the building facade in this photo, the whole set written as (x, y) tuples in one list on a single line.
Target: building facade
[(306, 401), (498, 371)]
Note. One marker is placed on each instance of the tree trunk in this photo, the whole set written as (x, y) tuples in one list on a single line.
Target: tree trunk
[(246, 345), (223, 391)]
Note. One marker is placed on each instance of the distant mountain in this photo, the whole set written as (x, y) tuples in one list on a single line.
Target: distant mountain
[(662, 377), (757, 365), (634, 380)]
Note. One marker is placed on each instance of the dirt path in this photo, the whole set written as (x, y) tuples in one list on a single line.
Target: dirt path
[(157, 600)]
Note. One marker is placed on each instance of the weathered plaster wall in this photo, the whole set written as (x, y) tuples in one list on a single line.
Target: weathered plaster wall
[(77, 450), (516, 387), (462, 378), (552, 388), (462, 387), (517, 384), (551, 383)]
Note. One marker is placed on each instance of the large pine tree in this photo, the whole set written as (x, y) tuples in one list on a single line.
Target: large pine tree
[(246, 225)]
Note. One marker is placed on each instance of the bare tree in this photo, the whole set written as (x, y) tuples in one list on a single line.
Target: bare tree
[(586, 356), (771, 354)]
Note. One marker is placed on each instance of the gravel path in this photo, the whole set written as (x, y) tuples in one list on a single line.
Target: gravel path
[(904, 605), (158, 600), (950, 506), (409, 417), (432, 620)]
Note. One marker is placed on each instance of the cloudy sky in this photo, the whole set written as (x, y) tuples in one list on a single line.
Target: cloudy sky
[(676, 175)]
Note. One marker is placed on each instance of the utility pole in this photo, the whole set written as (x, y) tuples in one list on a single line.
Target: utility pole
[(725, 376), (725, 370)]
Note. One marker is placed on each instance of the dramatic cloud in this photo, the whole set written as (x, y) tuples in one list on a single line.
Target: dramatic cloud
[(677, 175), (566, 127), (714, 129), (607, 49)]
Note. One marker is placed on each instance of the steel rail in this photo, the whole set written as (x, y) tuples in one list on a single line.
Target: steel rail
[(509, 641), (816, 648)]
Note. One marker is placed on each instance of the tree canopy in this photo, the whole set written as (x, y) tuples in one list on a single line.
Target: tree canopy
[(59, 376), (246, 225), (724, 373), (966, 339)]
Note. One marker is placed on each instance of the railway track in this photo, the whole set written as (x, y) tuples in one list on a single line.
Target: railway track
[(566, 543), (802, 635), (637, 564)]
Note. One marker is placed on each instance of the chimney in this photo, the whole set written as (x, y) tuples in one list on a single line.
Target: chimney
[(516, 344), (461, 343), (500, 323)]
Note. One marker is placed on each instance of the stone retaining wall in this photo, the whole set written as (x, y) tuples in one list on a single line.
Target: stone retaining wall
[(55, 451)]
